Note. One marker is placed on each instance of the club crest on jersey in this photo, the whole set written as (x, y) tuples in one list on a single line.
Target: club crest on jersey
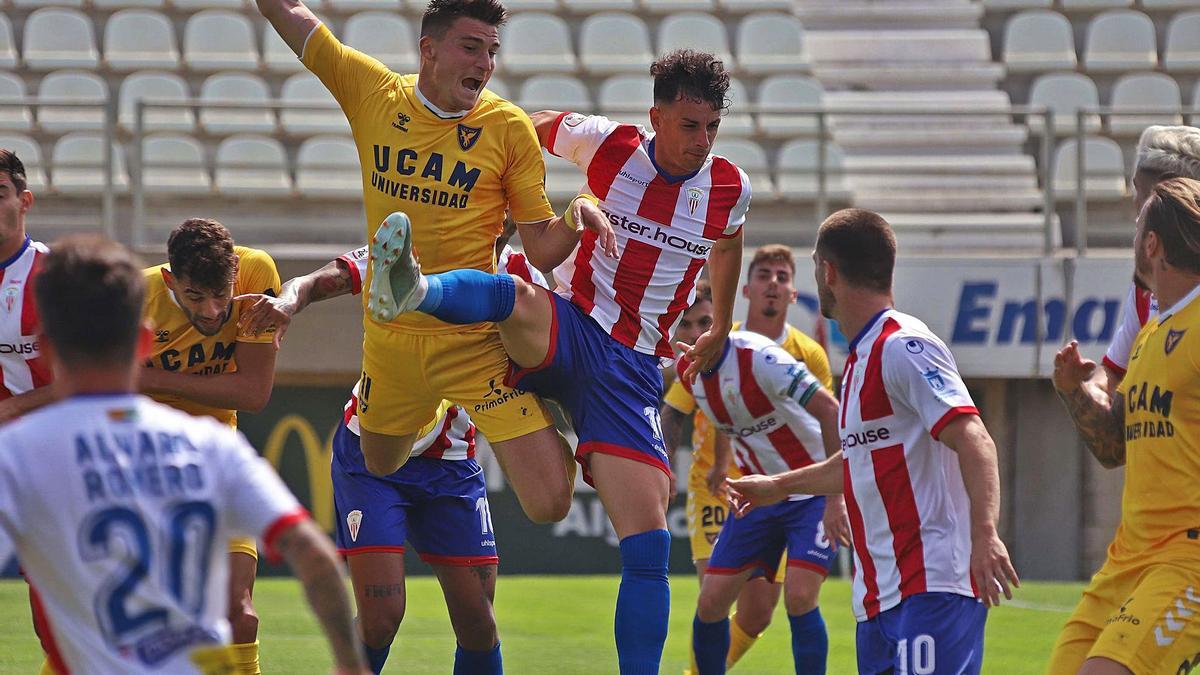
[(468, 136), (1172, 341), (11, 293), (934, 377), (694, 195), (353, 521)]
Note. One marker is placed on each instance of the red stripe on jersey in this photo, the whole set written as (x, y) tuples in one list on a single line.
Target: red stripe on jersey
[(1112, 365), (681, 366), (554, 132), (612, 154), (1141, 301), (754, 397), (895, 488), (39, 367), (45, 633), (858, 534), (678, 304), (722, 197), (872, 398), (471, 441), (442, 442), (847, 375), (789, 447), (517, 267), (350, 410), (712, 391), (753, 458), (583, 288), (659, 200), (638, 261)]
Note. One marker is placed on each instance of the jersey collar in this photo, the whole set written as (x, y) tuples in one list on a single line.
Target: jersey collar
[(867, 328), (16, 256), (670, 178), (1178, 306), (437, 112)]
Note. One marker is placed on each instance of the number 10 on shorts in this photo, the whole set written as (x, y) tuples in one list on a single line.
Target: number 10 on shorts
[(923, 660)]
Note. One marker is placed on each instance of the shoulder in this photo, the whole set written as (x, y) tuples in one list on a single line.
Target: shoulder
[(912, 339), (800, 342), (251, 259), (155, 286)]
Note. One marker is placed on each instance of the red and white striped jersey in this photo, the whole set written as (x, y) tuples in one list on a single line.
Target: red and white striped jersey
[(21, 362), (756, 394), (665, 227), (1140, 305), (908, 506)]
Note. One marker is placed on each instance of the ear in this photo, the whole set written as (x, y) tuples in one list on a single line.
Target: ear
[(26, 201), (168, 278), (425, 46), (746, 290), (829, 271), (794, 295), (145, 343), (655, 118)]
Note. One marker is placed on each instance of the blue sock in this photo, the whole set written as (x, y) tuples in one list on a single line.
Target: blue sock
[(469, 296), (643, 603), (467, 662), (810, 642), (710, 644), (376, 656)]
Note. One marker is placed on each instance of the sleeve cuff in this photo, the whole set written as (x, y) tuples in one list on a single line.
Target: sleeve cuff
[(554, 132), (808, 394), (1112, 365), (950, 416), (281, 525), (355, 279)]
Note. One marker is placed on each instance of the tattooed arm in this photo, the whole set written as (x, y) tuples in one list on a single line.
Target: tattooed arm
[(1099, 417), (334, 279)]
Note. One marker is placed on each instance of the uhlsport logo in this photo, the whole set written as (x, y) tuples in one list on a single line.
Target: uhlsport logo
[(353, 522), (468, 136)]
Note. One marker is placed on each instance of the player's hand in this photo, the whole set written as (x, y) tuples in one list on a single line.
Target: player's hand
[(836, 522), (265, 313), (590, 217), (1070, 368), (703, 354), (716, 480), (749, 492), (991, 569)]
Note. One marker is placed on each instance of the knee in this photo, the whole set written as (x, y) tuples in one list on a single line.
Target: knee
[(549, 508), (378, 627), (802, 599), (710, 609), (381, 467), (477, 632), (754, 621)]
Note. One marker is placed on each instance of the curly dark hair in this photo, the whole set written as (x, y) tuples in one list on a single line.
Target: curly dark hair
[(201, 251), (441, 14), (689, 74), (703, 293)]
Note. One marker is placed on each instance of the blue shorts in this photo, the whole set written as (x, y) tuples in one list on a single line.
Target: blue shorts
[(610, 391), (756, 540), (439, 505), (937, 633)]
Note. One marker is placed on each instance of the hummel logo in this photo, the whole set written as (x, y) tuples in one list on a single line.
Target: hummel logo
[(402, 121), (162, 335), (494, 389)]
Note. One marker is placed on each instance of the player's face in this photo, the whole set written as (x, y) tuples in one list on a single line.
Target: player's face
[(694, 323), (14, 204), (824, 294), (770, 289), (684, 130), (207, 309), (456, 67), (1143, 264)]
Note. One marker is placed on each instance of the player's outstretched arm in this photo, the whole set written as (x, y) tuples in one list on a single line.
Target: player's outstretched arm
[(548, 243), (291, 19), (822, 478), (990, 565), (248, 388), (265, 312), (14, 407), (314, 561), (1099, 418), (724, 270)]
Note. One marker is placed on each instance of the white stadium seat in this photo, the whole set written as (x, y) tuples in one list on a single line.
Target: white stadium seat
[(1195, 119), (30, 154), (8, 44), (672, 7), (1120, 40), (785, 93), (593, 6), (751, 158), (72, 87), (385, 36), (1064, 94), (1182, 52), (614, 42), (532, 5), (77, 165), (626, 97), (797, 171), (1144, 91), (771, 43), (358, 5), (197, 5), (19, 118), (236, 88), (59, 38), (692, 30), (140, 38), (154, 86), (1158, 5), (327, 166), (554, 92), (305, 88), (217, 40), (740, 6), (1039, 40), (47, 3), (499, 87), (735, 122), (174, 164), (1089, 5), (995, 5), (1103, 168), (536, 42), (121, 4), (276, 55), (252, 166)]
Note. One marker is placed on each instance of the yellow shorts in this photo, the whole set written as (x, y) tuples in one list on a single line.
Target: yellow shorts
[(1146, 618), (247, 546), (406, 376), (705, 516)]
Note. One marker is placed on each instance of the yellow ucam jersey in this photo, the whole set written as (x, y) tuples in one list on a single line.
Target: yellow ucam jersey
[(453, 174), (178, 347), (1160, 512)]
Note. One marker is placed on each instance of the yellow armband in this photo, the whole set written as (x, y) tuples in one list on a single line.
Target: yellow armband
[(569, 215)]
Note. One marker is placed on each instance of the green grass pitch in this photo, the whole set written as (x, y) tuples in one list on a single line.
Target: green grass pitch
[(563, 624)]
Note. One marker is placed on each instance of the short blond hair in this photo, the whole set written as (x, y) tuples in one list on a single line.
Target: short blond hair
[(1168, 151)]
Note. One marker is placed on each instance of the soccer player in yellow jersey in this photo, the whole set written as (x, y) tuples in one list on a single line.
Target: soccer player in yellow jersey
[(200, 364), (770, 290), (1141, 612), (454, 157)]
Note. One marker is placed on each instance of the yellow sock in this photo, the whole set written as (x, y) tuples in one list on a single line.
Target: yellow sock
[(740, 642), (47, 669), (214, 660), (245, 658)]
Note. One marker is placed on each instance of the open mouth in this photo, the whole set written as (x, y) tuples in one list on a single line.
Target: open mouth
[(472, 84)]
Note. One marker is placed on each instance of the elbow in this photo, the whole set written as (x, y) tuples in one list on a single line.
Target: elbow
[(256, 401)]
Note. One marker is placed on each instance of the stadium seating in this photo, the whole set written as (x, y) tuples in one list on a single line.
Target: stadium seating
[(624, 97), (1104, 170), (59, 38), (554, 92), (752, 159), (357, 5), (1016, 4), (499, 87), (1152, 91), (217, 39), (18, 118), (327, 166), (78, 165), (741, 6), (563, 179), (1064, 94), (1087, 5), (1120, 40), (387, 37), (24, 4), (769, 42), (122, 4), (8, 44), (674, 7), (235, 88), (796, 177), (174, 164), (138, 38), (537, 42), (157, 86), (72, 87), (614, 42), (908, 58), (305, 88), (252, 166), (197, 5), (276, 55), (590, 6), (693, 30), (735, 122), (785, 93), (1182, 51), (1037, 41), (31, 156)]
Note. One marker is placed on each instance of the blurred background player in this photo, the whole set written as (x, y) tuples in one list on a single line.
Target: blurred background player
[(129, 546), (917, 466), (595, 345), (454, 156), (200, 363), (777, 417), (1138, 615), (438, 499)]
